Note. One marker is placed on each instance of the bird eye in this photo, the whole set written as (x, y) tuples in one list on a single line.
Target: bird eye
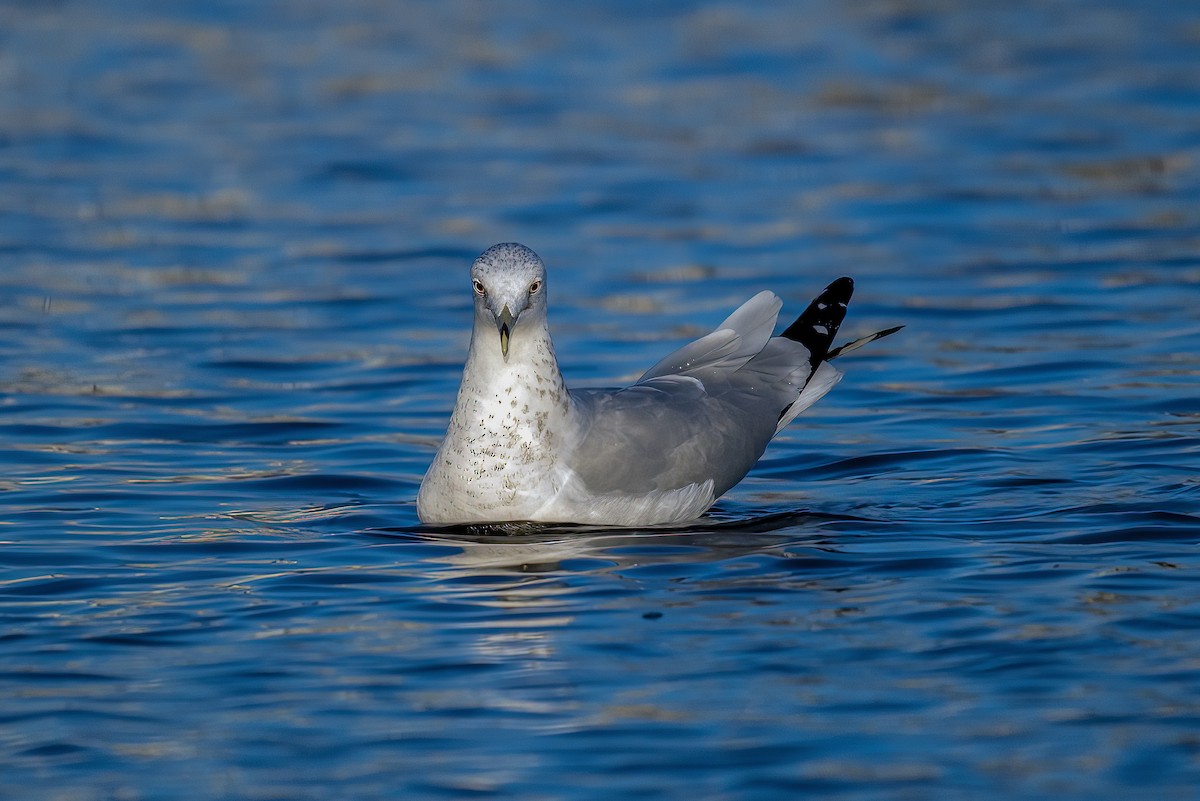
[(479, 290), (534, 287)]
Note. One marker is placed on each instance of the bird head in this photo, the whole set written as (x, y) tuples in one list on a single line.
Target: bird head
[(509, 282)]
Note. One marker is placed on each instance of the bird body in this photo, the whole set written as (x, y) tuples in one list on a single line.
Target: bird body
[(520, 446)]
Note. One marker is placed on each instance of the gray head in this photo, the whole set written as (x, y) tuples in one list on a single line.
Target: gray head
[(510, 286)]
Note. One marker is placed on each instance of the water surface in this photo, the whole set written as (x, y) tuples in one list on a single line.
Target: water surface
[(234, 243)]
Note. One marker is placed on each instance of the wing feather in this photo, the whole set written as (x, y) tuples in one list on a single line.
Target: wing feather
[(737, 340)]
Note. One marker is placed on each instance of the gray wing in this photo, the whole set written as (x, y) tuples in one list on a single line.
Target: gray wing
[(667, 433), (705, 412), (737, 340)]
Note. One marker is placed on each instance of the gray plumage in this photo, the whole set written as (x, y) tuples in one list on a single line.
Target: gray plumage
[(521, 446)]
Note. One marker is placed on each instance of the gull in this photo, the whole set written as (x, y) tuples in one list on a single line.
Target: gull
[(521, 446)]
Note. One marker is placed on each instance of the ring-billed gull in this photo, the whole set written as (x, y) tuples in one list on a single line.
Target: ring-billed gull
[(520, 446)]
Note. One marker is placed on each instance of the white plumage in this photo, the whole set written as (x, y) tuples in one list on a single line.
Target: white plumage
[(521, 446)]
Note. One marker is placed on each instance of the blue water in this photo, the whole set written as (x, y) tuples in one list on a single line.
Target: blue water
[(234, 242)]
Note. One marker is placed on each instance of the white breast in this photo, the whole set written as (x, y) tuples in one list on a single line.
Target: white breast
[(500, 459)]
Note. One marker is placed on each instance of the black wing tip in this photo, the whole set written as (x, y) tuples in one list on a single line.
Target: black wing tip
[(817, 326), (887, 332), (843, 284), (858, 343)]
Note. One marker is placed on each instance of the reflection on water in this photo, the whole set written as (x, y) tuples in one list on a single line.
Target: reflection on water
[(233, 251)]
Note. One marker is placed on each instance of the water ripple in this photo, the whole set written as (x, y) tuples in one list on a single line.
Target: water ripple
[(233, 244)]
